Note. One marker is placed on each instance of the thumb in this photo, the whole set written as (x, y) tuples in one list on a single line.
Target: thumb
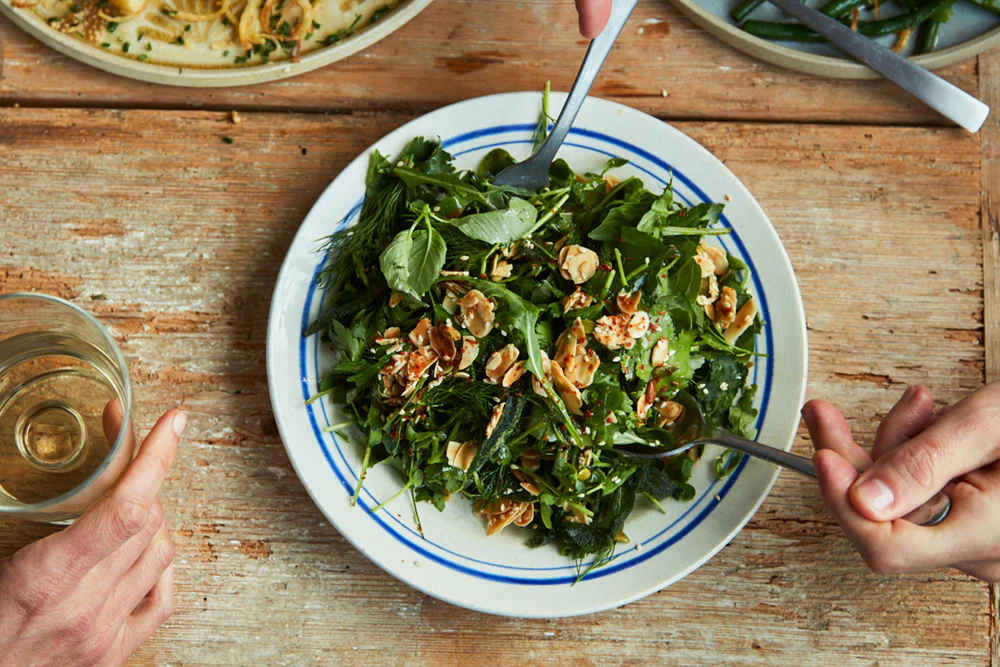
[(906, 477)]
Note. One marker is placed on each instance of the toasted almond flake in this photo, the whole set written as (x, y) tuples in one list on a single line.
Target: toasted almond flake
[(461, 454), (514, 373), (420, 334), (660, 353), (628, 302), (477, 313), (638, 325), (500, 361), (744, 318), (396, 299), (720, 261), (494, 419), (670, 412), (577, 263), (578, 299)]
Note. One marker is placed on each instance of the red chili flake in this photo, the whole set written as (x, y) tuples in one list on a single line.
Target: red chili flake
[(482, 275), (609, 420), (621, 240), (681, 213), (642, 367)]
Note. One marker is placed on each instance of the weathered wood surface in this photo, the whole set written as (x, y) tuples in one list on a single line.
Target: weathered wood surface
[(184, 235), (989, 88), (458, 49)]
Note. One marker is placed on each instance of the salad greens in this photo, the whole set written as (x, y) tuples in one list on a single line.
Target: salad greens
[(496, 343)]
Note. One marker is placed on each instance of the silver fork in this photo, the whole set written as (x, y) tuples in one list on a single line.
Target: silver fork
[(533, 173)]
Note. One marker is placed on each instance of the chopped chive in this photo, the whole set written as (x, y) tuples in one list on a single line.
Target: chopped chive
[(180, 40), (105, 45), (227, 140), (142, 57), (125, 47), (112, 26)]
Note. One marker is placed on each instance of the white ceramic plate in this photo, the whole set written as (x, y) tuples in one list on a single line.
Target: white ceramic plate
[(456, 561), (969, 31), (205, 58)]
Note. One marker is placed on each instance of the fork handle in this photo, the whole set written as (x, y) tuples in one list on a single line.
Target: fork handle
[(930, 513), (597, 53)]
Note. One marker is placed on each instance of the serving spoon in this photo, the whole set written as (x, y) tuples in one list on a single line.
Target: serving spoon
[(533, 173), (691, 430)]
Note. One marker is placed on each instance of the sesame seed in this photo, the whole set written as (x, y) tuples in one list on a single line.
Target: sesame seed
[(704, 391), (617, 359), (724, 386), (464, 258)]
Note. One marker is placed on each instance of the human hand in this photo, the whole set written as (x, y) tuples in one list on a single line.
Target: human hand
[(916, 454), (594, 16), (91, 594)]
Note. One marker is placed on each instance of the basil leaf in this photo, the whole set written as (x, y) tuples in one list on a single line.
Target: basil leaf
[(504, 226), (413, 261)]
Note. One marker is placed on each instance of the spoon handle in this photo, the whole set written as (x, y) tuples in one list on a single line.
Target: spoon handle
[(799, 464), (945, 98), (930, 513), (599, 49)]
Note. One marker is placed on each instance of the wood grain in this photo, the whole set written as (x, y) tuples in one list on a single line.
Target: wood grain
[(989, 89), (457, 49), (184, 234)]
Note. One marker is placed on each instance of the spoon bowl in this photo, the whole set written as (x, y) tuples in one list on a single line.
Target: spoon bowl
[(691, 429)]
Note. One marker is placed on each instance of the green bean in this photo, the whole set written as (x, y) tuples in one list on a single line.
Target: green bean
[(744, 9), (834, 8), (927, 38), (795, 32), (839, 8)]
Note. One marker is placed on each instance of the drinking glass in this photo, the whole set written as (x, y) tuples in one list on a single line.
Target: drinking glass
[(61, 447)]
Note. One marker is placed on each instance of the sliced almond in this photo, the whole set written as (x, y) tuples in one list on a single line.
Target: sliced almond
[(578, 299), (577, 263), (442, 345), (660, 353), (461, 454), (477, 313), (724, 312), (628, 302), (670, 412), (470, 350), (526, 483), (494, 419), (514, 373), (720, 261), (570, 395), (744, 318), (500, 361), (419, 335), (638, 325)]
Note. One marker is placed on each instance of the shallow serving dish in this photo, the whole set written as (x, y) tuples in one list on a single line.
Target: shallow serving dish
[(199, 60), (970, 30), (455, 560)]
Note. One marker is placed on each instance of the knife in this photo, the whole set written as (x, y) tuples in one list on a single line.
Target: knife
[(947, 99)]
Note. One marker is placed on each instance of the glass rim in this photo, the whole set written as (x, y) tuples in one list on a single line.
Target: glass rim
[(119, 359)]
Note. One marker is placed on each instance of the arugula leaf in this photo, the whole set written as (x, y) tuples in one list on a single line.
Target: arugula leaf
[(451, 183), (503, 226)]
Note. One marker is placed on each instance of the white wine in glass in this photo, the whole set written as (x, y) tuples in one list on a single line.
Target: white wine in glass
[(65, 398)]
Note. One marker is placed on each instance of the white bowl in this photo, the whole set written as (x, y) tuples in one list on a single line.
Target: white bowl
[(454, 560)]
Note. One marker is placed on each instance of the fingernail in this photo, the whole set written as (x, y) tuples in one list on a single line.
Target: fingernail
[(909, 393), (808, 415), (180, 421), (875, 494)]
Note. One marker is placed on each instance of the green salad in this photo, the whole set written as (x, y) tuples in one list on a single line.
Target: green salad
[(497, 343)]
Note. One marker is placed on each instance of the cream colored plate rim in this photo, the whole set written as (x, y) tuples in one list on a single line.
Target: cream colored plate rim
[(811, 63), (209, 78)]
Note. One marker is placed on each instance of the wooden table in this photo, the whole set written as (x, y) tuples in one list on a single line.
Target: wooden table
[(108, 186)]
